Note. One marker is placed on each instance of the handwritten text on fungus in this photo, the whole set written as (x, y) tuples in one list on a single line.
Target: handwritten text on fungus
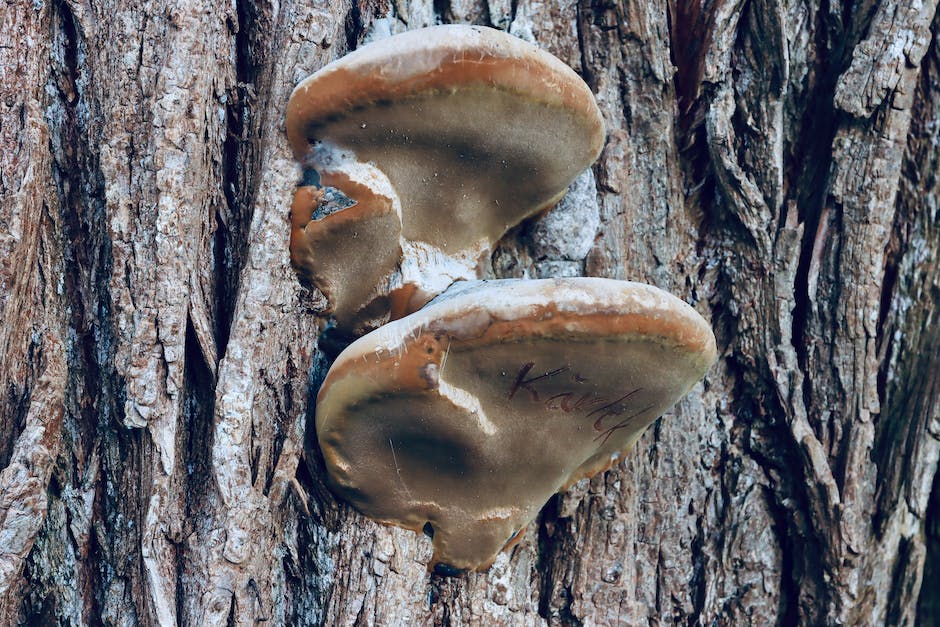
[(596, 408)]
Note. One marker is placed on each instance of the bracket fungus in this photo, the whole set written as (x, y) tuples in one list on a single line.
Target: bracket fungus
[(432, 144), (470, 413)]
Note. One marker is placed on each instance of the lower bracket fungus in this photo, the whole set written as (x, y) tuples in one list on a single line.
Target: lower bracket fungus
[(465, 417)]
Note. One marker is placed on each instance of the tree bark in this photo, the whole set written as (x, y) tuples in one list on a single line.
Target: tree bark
[(772, 162)]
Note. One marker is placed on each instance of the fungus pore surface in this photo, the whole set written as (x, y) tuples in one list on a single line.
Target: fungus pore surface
[(445, 138), (469, 414)]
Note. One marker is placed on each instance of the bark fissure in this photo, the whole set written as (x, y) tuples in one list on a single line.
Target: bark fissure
[(241, 153), (928, 604)]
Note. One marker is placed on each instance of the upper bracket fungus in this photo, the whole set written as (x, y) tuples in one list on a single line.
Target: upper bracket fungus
[(469, 414), (432, 143)]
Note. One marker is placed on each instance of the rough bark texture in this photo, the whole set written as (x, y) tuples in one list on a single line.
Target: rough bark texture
[(776, 163)]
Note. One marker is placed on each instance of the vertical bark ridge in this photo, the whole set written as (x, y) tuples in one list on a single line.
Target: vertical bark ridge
[(749, 239), (32, 337), (241, 557), (845, 291), (738, 158), (78, 571), (907, 436)]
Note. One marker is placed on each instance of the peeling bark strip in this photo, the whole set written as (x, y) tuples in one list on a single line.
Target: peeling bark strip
[(773, 163)]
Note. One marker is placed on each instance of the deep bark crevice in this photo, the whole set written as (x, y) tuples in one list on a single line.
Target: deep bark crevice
[(809, 161), (196, 430), (311, 472), (547, 526), (241, 155), (802, 545), (15, 406), (788, 607), (441, 11), (928, 604), (691, 23)]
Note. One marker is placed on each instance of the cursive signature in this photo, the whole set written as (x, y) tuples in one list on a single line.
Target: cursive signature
[(571, 400)]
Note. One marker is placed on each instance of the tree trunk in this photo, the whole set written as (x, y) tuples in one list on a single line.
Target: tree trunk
[(772, 162)]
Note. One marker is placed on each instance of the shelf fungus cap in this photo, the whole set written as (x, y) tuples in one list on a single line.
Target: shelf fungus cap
[(461, 132), (465, 417)]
